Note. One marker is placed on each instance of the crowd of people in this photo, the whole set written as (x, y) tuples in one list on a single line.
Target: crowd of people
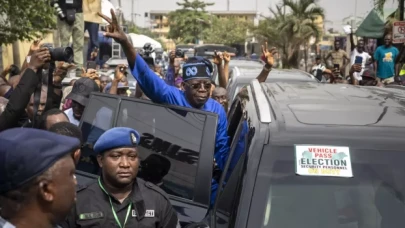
[(41, 140), (42, 116), (381, 68)]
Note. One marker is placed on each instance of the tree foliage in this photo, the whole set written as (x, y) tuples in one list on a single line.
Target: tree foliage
[(188, 23), (227, 31), (290, 31), (25, 19)]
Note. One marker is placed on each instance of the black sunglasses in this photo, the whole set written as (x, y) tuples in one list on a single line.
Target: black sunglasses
[(205, 85)]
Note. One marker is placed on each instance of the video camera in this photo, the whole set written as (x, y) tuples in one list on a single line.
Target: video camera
[(147, 50), (63, 54)]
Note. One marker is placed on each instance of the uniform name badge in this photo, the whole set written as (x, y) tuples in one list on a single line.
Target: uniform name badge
[(133, 213), (150, 214), (69, 1)]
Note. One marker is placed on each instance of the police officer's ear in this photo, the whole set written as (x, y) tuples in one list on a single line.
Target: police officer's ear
[(46, 188), (100, 160), (76, 155)]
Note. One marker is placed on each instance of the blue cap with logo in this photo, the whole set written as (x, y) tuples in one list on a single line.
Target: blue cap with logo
[(26, 153), (117, 137), (197, 68)]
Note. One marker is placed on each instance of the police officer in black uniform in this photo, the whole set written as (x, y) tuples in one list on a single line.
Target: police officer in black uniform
[(118, 198)]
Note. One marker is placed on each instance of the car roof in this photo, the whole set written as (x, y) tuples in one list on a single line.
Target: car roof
[(335, 110), (242, 63), (248, 74)]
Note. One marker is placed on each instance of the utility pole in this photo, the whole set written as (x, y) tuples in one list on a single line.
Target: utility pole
[(401, 10), (228, 2), (132, 12)]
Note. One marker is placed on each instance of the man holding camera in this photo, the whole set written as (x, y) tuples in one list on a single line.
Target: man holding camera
[(71, 24)]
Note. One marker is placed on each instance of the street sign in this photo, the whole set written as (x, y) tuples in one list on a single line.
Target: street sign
[(398, 33)]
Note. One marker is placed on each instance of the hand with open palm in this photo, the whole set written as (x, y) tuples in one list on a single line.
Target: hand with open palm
[(113, 29), (268, 55)]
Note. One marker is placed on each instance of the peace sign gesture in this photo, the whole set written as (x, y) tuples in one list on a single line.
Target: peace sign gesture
[(268, 55), (113, 29)]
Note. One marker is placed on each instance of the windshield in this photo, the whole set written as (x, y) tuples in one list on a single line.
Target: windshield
[(372, 198)]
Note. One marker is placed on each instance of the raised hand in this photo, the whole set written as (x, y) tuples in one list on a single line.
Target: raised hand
[(172, 56), (218, 58), (226, 57), (39, 58), (268, 55), (113, 29), (35, 45), (120, 72)]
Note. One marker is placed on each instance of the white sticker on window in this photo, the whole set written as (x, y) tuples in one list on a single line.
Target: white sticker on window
[(315, 160)]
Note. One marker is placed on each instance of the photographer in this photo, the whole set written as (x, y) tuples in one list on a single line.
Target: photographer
[(71, 24), (21, 95)]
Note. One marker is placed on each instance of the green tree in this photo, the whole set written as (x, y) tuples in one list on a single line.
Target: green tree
[(293, 30), (25, 19), (227, 31), (379, 6), (187, 24)]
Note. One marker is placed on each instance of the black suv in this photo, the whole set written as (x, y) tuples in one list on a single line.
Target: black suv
[(308, 155)]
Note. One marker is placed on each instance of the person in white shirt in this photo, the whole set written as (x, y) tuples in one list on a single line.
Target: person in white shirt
[(318, 70), (359, 53)]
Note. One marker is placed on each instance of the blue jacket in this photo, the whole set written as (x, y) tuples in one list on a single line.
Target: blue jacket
[(159, 92)]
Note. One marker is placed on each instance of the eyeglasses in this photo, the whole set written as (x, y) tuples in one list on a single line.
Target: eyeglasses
[(206, 85)]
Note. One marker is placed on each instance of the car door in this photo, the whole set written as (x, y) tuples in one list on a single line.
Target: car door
[(176, 147)]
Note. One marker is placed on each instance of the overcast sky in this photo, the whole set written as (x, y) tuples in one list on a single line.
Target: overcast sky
[(336, 10)]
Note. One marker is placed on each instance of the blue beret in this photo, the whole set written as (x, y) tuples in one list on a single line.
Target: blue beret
[(26, 153), (197, 67), (115, 138)]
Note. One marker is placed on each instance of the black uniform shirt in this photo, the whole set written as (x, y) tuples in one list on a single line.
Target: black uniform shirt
[(150, 208)]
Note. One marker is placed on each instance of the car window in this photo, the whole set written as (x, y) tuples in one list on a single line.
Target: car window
[(373, 197), (238, 131), (97, 118), (170, 144)]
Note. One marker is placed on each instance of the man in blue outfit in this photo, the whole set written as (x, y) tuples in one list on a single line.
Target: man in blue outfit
[(197, 83), (385, 61)]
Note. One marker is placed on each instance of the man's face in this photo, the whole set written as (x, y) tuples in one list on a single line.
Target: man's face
[(78, 110), (388, 40), (60, 192), (220, 95), (104, 80), (337, 45), (318, 61), (41, 106), (197, 91), (53, 119), (119, 166), (360, 46)]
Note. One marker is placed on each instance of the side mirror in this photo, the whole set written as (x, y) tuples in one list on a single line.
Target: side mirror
[(197, 225)]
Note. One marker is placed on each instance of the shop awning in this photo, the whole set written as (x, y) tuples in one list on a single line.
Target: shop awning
[(372, 26)]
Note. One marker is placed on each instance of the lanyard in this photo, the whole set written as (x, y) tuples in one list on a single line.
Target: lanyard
[(112, 208)]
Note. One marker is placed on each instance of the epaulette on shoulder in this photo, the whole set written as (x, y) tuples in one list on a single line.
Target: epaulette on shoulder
[(80, 187), (156, 189)]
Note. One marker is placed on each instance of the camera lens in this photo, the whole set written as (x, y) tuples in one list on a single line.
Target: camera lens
[(64, 54)]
